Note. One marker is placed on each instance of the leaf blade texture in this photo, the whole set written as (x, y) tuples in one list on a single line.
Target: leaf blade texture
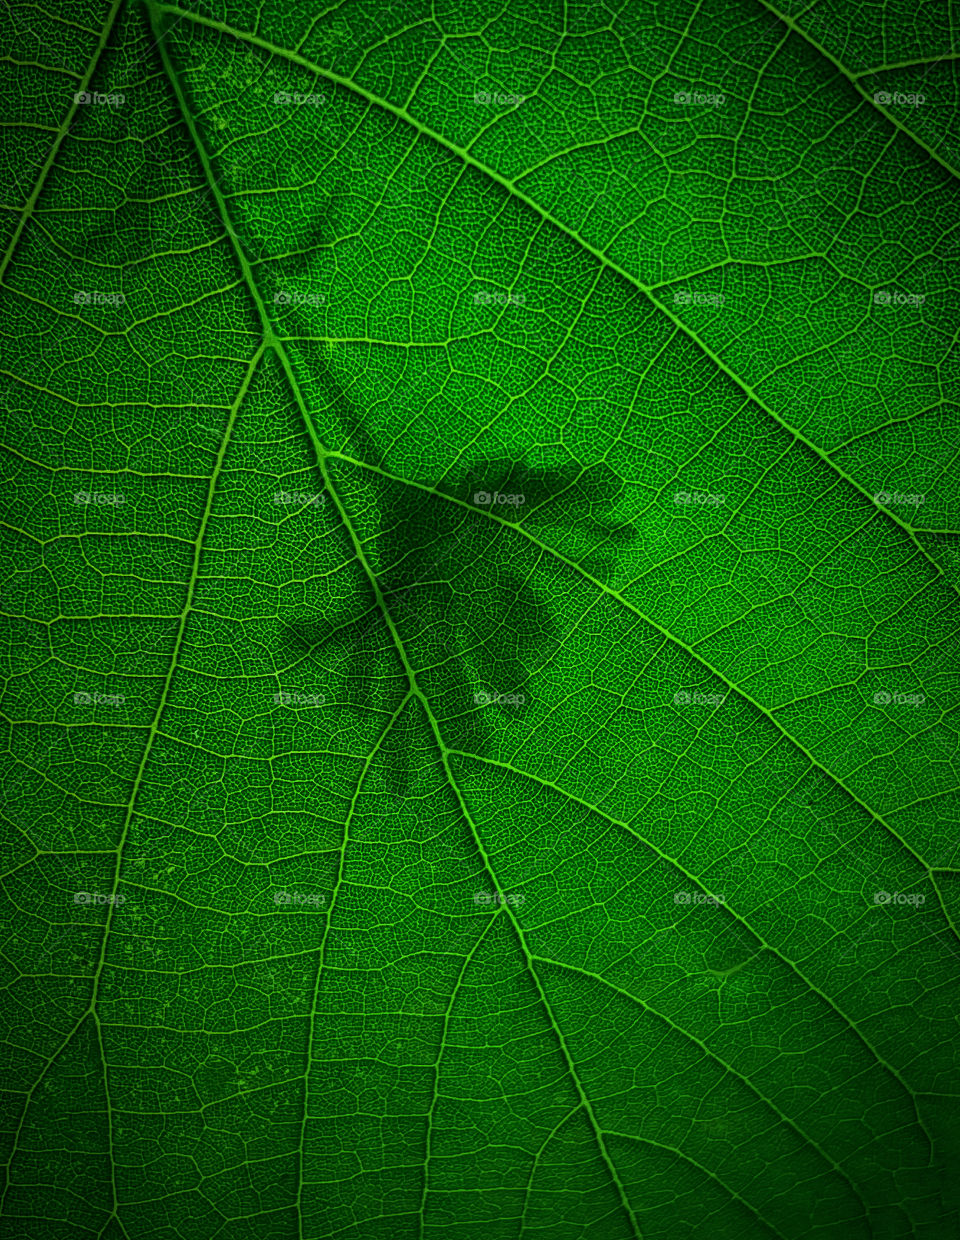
[(481, 608)]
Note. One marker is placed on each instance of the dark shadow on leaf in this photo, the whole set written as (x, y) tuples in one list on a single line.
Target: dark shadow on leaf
[(461, 587)]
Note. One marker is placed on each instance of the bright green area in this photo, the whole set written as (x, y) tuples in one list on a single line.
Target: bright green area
[(385, 862)]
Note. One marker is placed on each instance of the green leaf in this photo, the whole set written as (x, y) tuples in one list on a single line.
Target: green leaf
[(481, 608)]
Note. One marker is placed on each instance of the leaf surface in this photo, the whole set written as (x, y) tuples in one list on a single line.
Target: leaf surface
[(481, 603)]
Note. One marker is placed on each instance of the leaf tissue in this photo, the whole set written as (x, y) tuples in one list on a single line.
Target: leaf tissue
[(481, 562)]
